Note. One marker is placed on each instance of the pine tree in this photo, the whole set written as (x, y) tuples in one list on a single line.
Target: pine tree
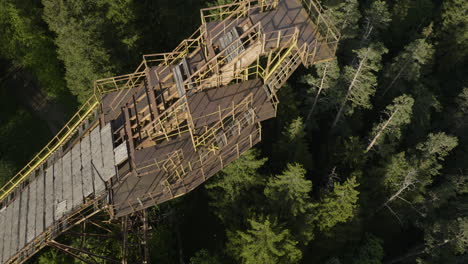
[(453, 46), (292, 146), (446, 240), (92, 39), (328, 75), (289, 192), (337, 206), (25, 41), (345, 15), (362, 79), (370, 252), (398, 114), (377, 18), (203, 256), (410, 64), (264, 242), (407, 179), (233, 183)]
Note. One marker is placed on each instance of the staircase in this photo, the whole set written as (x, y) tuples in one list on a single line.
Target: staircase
[(283, 69)]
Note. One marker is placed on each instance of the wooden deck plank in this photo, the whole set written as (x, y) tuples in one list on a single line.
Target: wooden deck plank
[(31, 222), (67, 183), (76, 176), (49, 197), (96, 160), (15, 226), (107, 153), (87, 177), (2, 231), (40, 203), (7, 234), (23, 217), (58, 188)]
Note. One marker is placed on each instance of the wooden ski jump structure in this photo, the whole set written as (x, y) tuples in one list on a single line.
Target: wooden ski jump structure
[(161, 131)]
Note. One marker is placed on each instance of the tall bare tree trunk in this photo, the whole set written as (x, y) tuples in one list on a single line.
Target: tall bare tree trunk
[(396, 77), (407, 182), (371, 144), (318, 92), (350, 87)]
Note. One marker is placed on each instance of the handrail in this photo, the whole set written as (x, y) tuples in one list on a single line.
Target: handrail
[(202, 139), (58, 140), (221, 57), (153, 195), (168, 114), (194, 41)]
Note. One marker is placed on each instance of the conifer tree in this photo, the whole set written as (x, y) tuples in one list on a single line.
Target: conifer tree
[(89, 37), (345, 15), (25, 41), (370, 252), (338, 206), (289, 191), (410, 64), (377, 18), (407, 179), (264, 242), (292, 146), (328, 75), (398, 114), (362, 80), (233, 183), (453, 45)]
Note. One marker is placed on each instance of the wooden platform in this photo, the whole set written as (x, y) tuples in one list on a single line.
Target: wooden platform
[(206, 105), (57, 191)]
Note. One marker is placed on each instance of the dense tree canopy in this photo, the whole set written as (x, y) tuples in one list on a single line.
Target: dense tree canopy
[(366, 161)]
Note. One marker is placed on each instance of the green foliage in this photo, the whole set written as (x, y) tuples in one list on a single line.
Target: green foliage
[(398, 115), (377, 17), (407, 17), (445, 239), (329, 93), (204, 257), (24, 40), (394, 171), (264, 242), (233, 183), (364, 79), (338, 206), (52, 256), (293, 145), (453, 33), (7, 170), (289, 192), (88, 35), (370, 252), (163, 244), (414, 61), (345, 15)]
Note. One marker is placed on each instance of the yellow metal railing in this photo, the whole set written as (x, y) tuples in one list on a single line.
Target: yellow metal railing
[(169, 123), (212, 67), (216, 13), (85, 211), (326, 35), (153, 165), (237, 7), (208, 136), (58, 140)]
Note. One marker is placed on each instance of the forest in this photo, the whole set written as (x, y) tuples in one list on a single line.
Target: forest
[(365, 163)]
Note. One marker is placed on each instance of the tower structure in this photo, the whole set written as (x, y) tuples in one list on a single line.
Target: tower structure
[(161, 131)]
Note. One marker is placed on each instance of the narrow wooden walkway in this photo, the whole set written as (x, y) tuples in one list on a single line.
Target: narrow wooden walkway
[(173, 128), (62, 188)]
